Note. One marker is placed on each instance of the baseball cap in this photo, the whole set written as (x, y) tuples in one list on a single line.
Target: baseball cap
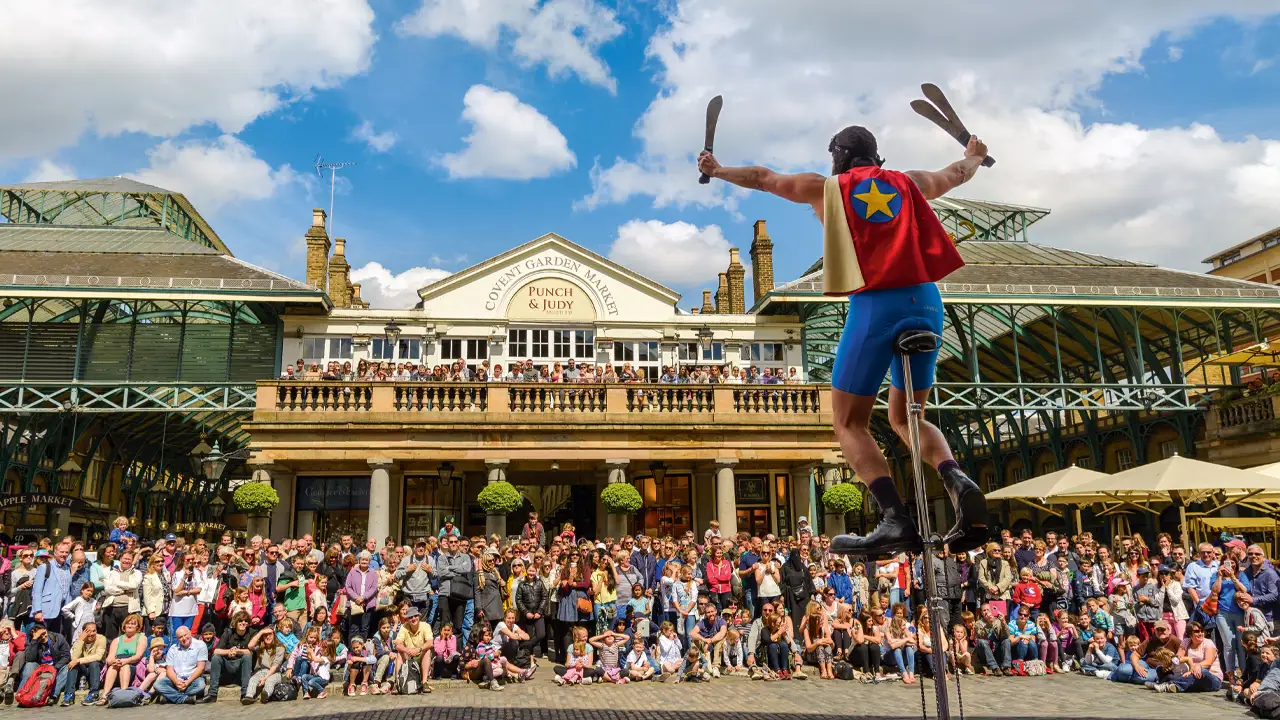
[(1161, 625), (170, 537), (1144, 570), (411, 612), (421, 543), (42, 553), (1235, 543)]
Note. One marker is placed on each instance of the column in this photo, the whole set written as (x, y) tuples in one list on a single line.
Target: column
[(380, 498), (615, 526), (726, 502), (704, 498), (60, 524), (496, 472), (833, 522), (802, 489)]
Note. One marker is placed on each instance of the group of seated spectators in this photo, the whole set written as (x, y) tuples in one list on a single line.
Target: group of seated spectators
[(570, 371), (180, 622)]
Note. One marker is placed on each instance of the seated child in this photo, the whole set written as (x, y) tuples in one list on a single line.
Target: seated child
[(609, 649), (735, 652), (639, 664)]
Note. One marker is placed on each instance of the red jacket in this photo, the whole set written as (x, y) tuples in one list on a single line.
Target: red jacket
[(1027, 593)]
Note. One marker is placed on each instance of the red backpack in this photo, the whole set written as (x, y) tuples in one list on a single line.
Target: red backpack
[(38, 689)]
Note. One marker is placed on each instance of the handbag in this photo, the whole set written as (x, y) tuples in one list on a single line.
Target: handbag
[(585, 605)]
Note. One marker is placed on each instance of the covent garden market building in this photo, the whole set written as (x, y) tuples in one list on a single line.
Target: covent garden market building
[(140, 367)]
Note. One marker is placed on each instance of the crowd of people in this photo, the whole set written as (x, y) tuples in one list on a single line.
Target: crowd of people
[(569, 371), (183, 622)]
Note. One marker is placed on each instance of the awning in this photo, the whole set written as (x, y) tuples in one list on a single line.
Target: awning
[(1260, 355), (1175, 478), (1038, 488)]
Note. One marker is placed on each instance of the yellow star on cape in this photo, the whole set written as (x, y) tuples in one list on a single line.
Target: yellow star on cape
[(876, 201)]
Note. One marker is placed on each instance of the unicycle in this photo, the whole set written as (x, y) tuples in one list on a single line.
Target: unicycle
[(907, 345)]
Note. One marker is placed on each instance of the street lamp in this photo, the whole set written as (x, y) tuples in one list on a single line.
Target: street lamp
[(68, 476), (214, 464), (704, 337), (659, 470), (217, 506), (446, 473), (392, 331)]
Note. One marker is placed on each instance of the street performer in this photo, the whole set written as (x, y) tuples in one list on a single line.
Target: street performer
[(885, 249)]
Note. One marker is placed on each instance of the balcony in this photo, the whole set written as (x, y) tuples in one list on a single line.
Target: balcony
[(521, 403), (1246, 416)]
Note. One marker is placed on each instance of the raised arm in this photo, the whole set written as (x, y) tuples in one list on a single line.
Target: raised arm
[(936, 183), (802, 188)]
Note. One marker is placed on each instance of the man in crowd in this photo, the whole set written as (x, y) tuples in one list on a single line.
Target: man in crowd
[(291, 588), (51, 588), (415, 575), (185, 661), (456, 572), (645, 562), (708, 636), (232, 659), (1199, 576), (413, 645), (1264, 583), (46, 648), (86, 662)]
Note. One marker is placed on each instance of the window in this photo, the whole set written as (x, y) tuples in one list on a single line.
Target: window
[(321, 348), (640, 355), (584, 344), (1168, 449), (313, 349), (1084, 462), (517, 343), (1270, 243), (715, 352), (694, 352), (764, 353), (477, 350), (989, 479), (1019, 474), (340, 348), (381, 348), (451, 348), (1046, 468), (1124, 458), (687, 352), (541, 343)]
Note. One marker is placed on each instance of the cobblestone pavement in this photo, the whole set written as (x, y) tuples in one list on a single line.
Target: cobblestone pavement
[(1071, 696)]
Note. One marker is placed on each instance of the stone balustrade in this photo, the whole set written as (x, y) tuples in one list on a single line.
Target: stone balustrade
[(304, 401)]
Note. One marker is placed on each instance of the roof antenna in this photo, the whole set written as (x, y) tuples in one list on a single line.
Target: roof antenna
[(333, 169)]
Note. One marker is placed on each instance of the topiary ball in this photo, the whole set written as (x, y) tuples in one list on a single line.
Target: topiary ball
[(621, 499), (255, 498), (500, 498), (842, 498)]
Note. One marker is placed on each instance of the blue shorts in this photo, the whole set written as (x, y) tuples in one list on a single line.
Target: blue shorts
[(876, 318)]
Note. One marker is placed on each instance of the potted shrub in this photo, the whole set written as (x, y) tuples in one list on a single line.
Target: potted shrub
[(256, 500), (840, 499), (499, 499), (620, 500)]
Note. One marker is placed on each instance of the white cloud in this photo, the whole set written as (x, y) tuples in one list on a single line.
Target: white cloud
[(791, 79), (382, 289), (1175, 53), (50, 171), (378, 142), (564, 35), (213, 174), (161, 68), (508, 140), (677, 253)]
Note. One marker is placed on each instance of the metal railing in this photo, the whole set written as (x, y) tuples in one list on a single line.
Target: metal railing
[(102, 397)]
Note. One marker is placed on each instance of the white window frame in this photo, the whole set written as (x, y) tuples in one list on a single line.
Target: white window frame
[(404, 349), (1124, 458), (336, 347), (755, 353), (1168, 449)]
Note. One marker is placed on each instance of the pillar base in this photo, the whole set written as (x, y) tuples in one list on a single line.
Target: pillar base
[(833, 524), (258, 525), (615, 526), (495, 525)]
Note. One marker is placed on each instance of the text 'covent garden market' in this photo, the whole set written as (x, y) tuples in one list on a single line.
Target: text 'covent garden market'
[(146, 372)]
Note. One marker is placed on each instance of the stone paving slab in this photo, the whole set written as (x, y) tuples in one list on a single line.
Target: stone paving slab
[(1072, 696)]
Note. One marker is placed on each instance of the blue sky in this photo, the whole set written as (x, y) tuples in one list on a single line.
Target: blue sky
[(600, 103)]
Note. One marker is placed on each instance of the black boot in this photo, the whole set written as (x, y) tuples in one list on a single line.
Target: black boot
[(895, 533), (970, 530)]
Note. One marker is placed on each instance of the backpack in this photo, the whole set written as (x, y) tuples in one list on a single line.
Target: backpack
[(125, 698), (1267, 704), (409, 678), (285, 691), (37, 691), (843, 670)]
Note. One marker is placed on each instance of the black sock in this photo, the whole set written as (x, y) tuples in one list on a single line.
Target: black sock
[(947, 465), (885, 493)]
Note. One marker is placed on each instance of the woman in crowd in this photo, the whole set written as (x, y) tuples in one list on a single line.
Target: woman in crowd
[(268, 658), (1199, 659), (155, 588), (489, 589), (818, 645), (123, 656), (604, 588)]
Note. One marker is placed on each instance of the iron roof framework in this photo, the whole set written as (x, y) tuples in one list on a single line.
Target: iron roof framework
[(115, 201)]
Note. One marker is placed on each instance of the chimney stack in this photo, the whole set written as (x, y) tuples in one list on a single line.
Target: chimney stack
[(317, 251), (356, 301), (761, 261), (339, 275), (737, 283), (722, 294), (707, 307)]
